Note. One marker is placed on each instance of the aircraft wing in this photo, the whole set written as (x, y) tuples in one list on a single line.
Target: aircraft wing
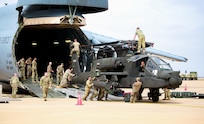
[(165, 55)]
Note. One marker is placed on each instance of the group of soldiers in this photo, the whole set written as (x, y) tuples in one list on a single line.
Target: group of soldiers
[(63, 78), (30, 67), (98, 93)]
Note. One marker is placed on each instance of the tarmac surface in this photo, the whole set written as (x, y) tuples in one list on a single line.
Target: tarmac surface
[(32, 110)]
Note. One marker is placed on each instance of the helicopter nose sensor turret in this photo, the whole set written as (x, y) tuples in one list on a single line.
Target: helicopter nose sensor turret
[(175, 79)]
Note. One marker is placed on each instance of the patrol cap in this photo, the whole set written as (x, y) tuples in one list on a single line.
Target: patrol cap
[(137, 78)]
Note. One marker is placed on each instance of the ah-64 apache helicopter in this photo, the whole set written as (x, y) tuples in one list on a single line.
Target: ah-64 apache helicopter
[(120, 65)]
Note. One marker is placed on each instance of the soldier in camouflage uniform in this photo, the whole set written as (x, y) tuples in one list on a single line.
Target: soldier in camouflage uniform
[(75, 48), (135, 90), (141, 39), (60, 72), (29, 66), (45, 84), (166, 94), (14, 82), (22, 65), (34, 70), (49, 70), (88, 87), (67, 78)]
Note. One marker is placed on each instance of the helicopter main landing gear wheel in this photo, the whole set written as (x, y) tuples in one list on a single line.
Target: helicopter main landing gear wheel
[(154, 94)]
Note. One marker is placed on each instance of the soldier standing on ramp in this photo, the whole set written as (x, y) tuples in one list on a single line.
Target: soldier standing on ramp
[(34, 70), (45, 84), (135, 90), (21, 64), (49, 70), (29, 66), (60, 72)]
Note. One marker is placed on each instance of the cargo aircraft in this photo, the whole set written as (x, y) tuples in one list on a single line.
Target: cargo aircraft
[(45, 28)]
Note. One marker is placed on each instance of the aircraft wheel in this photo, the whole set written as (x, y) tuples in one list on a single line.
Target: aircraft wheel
[(155, 94), (155, 98)]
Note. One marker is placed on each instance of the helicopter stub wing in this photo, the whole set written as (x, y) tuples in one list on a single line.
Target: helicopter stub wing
[(165, 55)]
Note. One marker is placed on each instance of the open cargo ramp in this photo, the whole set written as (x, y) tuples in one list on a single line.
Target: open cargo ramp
[(35, 90)]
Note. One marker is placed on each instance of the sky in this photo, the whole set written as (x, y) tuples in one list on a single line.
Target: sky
[(174, 26)]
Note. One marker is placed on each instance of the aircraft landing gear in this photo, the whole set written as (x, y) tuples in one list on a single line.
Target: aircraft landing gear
[(154, 94)]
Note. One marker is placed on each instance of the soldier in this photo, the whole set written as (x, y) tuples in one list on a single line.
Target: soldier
[(60, 72), (75, 48), (135, 90), (34, 70), (67, 77), (88, 87), (29, 66), (166, 94), (21, 64), (141, 39), (45, 84), (14, 82), (49, 70), (102, 93), (142, 66)]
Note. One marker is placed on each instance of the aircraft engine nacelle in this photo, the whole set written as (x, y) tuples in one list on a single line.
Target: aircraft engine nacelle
[(108, 63)]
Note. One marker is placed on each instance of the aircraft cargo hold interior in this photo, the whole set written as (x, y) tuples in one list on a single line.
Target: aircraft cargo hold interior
[(48, 44)]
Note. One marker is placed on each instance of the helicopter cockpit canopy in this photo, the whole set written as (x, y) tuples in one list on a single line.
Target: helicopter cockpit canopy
[(162, 64), (153, 64)]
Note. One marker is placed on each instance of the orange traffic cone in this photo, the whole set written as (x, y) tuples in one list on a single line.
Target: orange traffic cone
[(79, 101), (185, 88)]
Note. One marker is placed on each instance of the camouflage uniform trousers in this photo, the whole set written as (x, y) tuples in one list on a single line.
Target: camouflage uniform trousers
[(134, 96), (34, 75), (86, 94), (59, 78), (23, 73), (14, 90), (45, 92), (141, 42)]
